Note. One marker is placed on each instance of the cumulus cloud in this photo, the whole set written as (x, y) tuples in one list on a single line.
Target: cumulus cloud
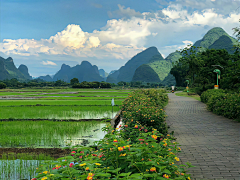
[(71, 36), (124, 38), (93, 41), (49, 63)]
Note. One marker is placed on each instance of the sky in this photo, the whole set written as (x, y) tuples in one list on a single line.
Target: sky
[(44, 34)]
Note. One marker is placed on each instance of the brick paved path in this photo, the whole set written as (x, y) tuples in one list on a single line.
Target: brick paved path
[(208, 141)]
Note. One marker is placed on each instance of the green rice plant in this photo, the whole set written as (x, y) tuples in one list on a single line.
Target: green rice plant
[(57, 102), (80, 98), (57, 112), (44, 133), (18, 169)]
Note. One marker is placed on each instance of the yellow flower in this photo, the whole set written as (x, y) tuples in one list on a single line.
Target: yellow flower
[(97, 164), (165, 144), (153, 169), (177, 159), (179, 149), (154, 137), (84, 164), (44, 178), (45, 172), (122, 154), (87, 168), (189, 178), (169, 149), (120, 148), (147, 170), (90, 174)]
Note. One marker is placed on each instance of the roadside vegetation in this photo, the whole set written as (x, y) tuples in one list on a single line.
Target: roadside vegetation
[(142, 149)]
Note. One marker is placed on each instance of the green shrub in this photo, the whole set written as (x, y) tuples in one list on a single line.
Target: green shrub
[(2, 85), (222, 103)]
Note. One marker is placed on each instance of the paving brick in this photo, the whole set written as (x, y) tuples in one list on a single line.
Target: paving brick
[(209, 141)]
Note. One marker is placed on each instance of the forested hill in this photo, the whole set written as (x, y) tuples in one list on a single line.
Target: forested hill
[(8, 70), (126, 72), (216, 38)]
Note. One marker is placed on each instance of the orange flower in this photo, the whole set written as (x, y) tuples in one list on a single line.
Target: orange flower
[(153, 169), (115, 140), (154, 137), (166, 176), (120, 149), (87, 168), (136, 126)]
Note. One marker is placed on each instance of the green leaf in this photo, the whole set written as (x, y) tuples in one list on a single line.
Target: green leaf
[(103, 174), (136, 176), (124, 174), (166, 171), (148, 175), (161, 178)]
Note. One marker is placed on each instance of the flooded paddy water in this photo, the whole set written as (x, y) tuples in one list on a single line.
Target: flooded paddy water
[(25, 144)]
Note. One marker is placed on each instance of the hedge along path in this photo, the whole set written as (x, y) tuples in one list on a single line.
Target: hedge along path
[(209, 141)]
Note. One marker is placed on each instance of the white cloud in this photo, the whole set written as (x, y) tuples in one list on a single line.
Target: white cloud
[(93, 41), (223, 7), (49, 63), (168, 29), (72, 36)]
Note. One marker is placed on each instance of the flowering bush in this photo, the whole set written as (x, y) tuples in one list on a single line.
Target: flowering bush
[(145, 107), (137, 151), (121, 159)]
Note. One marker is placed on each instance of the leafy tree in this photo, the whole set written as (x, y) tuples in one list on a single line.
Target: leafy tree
[(74, 81), (190, 59), (2, 85), (237, 32)]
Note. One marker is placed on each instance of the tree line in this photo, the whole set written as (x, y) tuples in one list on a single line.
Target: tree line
[(198, 66)]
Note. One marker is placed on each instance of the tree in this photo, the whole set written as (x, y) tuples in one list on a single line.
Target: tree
[(237, 32), (2, 85), (190, 59), (74, 81)]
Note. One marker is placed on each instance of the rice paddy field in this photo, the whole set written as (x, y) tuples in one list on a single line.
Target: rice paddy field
[(43, 119)]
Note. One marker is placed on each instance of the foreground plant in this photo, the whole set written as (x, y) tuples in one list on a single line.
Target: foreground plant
[(120, 159)]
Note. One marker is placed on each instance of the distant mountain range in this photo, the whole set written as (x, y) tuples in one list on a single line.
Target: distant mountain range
[(150, 66), (146, 66), (84, 72)]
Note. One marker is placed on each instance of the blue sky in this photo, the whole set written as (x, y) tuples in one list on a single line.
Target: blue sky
[(44, 34)]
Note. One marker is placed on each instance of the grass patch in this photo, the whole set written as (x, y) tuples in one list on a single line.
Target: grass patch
[(57, 112), (44, 133), (57, 102), (197, 97)]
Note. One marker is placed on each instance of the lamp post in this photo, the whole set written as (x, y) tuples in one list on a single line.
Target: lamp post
[(187, 81), (218, 72)]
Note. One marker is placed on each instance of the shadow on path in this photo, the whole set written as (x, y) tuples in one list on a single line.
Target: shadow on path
[(209, 142)]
